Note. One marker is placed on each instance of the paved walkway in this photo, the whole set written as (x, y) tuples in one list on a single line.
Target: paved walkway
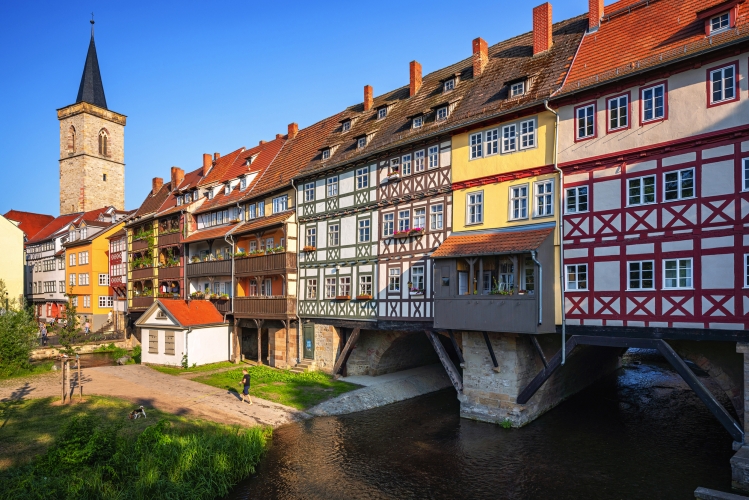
[(152, 389)]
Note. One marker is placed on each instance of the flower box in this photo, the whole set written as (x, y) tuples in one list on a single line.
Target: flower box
[(363, 297), (343, 297), (309, 249), (401, 234), (416, 292), (394, 176), (416, 231)]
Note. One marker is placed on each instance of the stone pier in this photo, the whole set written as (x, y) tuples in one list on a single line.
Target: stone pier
[(740, 461)]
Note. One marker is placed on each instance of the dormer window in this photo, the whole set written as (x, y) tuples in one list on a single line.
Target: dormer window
[(448, 85), (346, 126), (442, 113), (418, 122), (382, 113), (243, 183), (517, 88), (720, 23), (325, 154), (227, 189), (361, 142), (179, 200), (209, 194)]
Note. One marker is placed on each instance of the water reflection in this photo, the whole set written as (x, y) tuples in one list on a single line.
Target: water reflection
[(639, 433)]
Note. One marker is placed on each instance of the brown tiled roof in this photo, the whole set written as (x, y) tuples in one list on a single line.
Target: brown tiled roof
[(169, 206), (492, 243), (153, 201), (221, 165), (119, 234), (635, 36), (208, 234), (263, 222), (193, 312), (30, 223), (476, 99)]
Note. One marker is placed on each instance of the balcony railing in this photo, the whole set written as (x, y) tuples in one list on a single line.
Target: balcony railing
[(210, 268), (144, 272), (262, 307), (139, 245), (116, 281), (141, 302), (169, 239), (494, 313), (170, 273), (223, 306), (262, 264)]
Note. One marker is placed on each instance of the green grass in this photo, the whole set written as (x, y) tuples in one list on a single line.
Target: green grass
[(298, 390), (33, 369), (92, 450), (178, 370)]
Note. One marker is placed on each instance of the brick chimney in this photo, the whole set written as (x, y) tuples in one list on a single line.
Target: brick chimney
[(542, 28), (178, 175), (293, 130), (206, 164), (480, 56), (414, 71), (261, 142), (216, 156), (368, 99), (595, 13), (156, 184)]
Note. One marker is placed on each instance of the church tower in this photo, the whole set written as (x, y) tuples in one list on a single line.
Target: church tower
[(92, 146)]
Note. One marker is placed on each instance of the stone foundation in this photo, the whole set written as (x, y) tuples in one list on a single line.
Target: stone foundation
[(378, 352), (327, 346), (283, 351)]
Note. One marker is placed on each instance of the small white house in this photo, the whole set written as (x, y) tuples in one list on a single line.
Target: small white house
[(172, 328)]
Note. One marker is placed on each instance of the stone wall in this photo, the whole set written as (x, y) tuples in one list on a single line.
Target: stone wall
[(382, 351), (283, 351), (327, 345)]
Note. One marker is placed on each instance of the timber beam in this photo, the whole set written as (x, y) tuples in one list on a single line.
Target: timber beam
[(455, 346), (346, 352), (491, 351), (452, 372)]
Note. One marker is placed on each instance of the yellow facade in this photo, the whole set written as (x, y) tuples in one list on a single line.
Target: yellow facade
[(12, 263)]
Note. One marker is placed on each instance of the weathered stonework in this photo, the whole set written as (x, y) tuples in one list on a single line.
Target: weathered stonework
[(327, 345), (282, 352), (382, 351)]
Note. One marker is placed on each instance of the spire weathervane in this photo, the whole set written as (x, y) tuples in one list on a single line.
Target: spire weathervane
[(92, 24)]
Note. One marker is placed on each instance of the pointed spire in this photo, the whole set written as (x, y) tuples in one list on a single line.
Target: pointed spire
[(91, 89)]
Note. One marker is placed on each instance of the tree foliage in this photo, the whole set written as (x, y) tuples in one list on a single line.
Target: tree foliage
[(71, 329), (18, 335)]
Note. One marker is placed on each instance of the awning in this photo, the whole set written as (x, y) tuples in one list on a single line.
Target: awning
[(492, 243)]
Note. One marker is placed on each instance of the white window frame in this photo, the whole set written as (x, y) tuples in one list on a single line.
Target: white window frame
[(720, 18), (543, 198), (331, 184), (261, 209), (179, 201), (103, 280), (252, 211), (394, 280), (576, 209), (325, 153), (517, 88), (388, 224), (346, 126), (491, 142), (652, 101), (518, 202), (382, 113), (475, 204), (311, 289), (334, 235), (365, 284), (442, 114), (243, 183), (72, 259), (280, 203), (640, 279), (419, 161), (404, 220), (640, 184), (331, 288), (476, 145), (420, 218), (745, 174), (418, 277), (436, 217), (86, 301), (105, 302), (680, 189), (615, 112), (417, 122), (448, 85), (433, 156), (311, 237), (361, 143), (723, 86), (577, 270), (309, 192), (344, 286), (510, 138), (689, 284), (527, 134), (362, 178), (589, 121), (406, 165), (364, 231)]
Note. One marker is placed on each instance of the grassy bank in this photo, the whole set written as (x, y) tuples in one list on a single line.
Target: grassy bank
[(91, 450), (32, 369), (298, 390), (177, 370)]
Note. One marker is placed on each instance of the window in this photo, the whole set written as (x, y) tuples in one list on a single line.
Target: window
[(332, 183), (720, 23), (346, 126), (527, 134), (280, 204), (382, 113), (577, 199), (641, 191), (723, 84), (618, 112), (746, 272), (75, 301), (209, 193), (361, 142), (311, 237), (394, 280), (103, 138), (476, 146), (227, 189), (679, 185), (251, 211), (420, 218), (49, 286), (333, 235), (387, 224), (309, 192), (517, 89), (83, 278), (641, 275), (62, 286), (442, 114), (544, 194), (72, 280), (261, 209), (364, 231), (269, 244), (417, 279), (586, 121), (86, 301), (745, 171), (365, 285), (103, 280), (72, 259), (105, 301), (104, 177), (529, 275), (404, 220), (243, 183), (519, 202), (362, 178), (330, 288), (326, 153), (311, 289), (434, 157), (179, 200), (448, 85), (435, 217), (418, 122), (406, 165), (344, 288), (509, 133), (577, 277), (677, 273), (267, 287), (475, 209), (653, 103), (419, 161)]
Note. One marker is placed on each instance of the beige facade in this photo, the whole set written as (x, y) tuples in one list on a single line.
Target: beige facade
[(12, 263), (92, 158)]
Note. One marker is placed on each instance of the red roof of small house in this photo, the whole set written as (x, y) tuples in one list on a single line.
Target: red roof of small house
[(492, 243), (53, 227), (30, 223), (192, 312)]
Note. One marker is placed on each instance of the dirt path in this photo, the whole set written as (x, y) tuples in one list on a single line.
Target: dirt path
[(147, 387)]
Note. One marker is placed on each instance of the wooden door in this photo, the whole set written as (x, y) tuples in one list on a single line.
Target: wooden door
[(309, 341)]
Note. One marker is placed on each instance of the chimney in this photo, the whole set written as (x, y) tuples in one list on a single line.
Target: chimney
[(278, 136), (178, 175), (542, 28), (206, 164), (414, 71), (595, 13), (216, 156), (156, 184), (261, 142), (293, 130), (480, 56), (368, 99)]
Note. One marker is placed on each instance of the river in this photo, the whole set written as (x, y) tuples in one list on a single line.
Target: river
[(638, 433)]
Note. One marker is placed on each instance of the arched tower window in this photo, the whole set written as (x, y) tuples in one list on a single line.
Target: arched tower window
[(71, 139), (103, 137)]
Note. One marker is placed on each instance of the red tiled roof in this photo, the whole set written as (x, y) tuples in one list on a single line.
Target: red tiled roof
[(220, 167), (650, 34), (53, 227), (117, 235), (207, 234), (193, 312), (153, 201), (492, 243), (169, 206), (30, 223), (263, 222)]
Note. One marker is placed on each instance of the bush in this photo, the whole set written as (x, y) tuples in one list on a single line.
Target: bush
[(18, 337), (137, 350)]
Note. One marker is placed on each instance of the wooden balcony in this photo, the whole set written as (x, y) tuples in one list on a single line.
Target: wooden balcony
[(141, 302), (143, 273), (492, 313), (140, 245), (264, 264), (169, 239), (223, 306), (115, 281), (170, 273), (264, 307), (210, 268)]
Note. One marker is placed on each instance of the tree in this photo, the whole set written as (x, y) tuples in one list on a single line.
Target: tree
[(18, 335), (69, 333)]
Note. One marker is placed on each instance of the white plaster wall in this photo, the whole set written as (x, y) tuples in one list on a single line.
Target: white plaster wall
[(717, 271), (209, 345), (346, 182), (160, 358)]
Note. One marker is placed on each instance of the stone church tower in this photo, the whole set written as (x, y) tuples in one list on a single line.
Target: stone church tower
[(92, 146)]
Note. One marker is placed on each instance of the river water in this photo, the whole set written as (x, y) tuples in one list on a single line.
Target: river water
[(638, 433)]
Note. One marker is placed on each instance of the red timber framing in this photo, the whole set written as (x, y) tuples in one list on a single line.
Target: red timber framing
[(709, 229)]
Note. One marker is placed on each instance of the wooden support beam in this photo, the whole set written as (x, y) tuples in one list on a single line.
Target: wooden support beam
[(346, 352), (452, 372), (491, 351), (455, 345), (540, 351)]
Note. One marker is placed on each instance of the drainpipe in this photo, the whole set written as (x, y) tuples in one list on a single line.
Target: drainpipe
[(187, 333), (561, 228), (298, 247), (540, 289)]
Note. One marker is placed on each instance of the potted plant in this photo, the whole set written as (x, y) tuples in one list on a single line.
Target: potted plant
[(364, 296), (309, 248), (343, 297), (417, 231), (194, 259), (402, 234), (224, 296), (240, 254), (416, 291), (521, 292)]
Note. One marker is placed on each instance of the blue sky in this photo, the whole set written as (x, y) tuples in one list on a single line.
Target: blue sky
[(203, 77)]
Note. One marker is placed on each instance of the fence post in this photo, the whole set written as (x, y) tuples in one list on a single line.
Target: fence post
[(80, 381), (62, 371)]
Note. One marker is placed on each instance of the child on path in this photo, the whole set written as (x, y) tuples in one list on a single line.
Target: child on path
[(246, 383)]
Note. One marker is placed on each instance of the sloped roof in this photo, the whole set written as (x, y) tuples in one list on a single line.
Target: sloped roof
[(219, 168), (169, 205), (262, 222), (193, 312), (29, 222), (53, 227), (91, 89), (153, 201), (492, 243), (208, 234)]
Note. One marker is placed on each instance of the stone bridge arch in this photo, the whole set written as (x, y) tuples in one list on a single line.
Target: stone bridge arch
[(378, 352)]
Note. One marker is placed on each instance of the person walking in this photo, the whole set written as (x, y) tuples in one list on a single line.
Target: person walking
[(44, 335), (87, 326), (246, 383)]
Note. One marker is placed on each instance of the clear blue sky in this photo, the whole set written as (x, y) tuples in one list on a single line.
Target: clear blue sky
[(200, 77)]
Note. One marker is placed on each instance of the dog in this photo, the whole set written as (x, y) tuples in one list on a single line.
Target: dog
[(137, 413)]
